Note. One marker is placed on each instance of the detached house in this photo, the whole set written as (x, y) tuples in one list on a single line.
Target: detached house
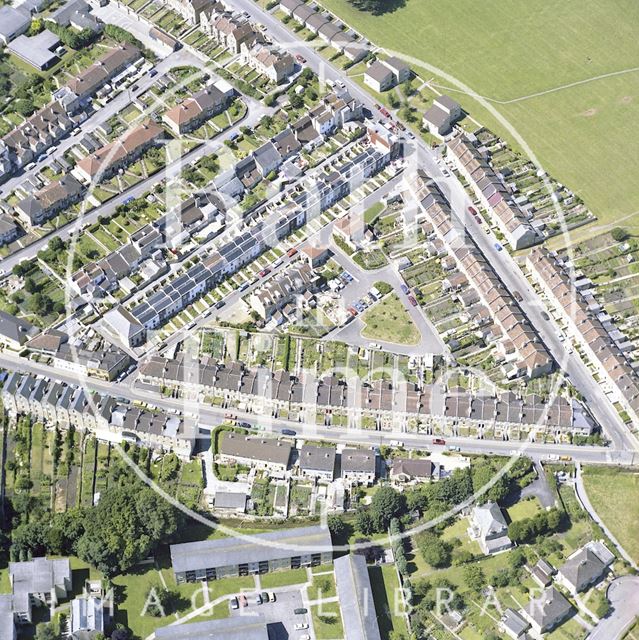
[(268, 61), (489, 528), (194, 111)]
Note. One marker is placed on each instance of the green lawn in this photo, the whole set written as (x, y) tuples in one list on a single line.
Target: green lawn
[(614, 494), (388, 604), (508, 51), (283, 578), (322, 587), (524, 509), (327, 621), (389, 321)]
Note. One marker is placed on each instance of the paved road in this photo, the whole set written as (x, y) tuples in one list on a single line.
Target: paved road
[(207, 416), (171, 170), (540, 488), (504, 265), (623, 594)]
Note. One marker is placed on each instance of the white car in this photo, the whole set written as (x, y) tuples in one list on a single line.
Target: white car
[(300, 625), (305, 637)]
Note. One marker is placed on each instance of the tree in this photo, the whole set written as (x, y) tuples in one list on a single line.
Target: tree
[(376, 7), (45, 631), (364, 522), (435, 551), (385, 505), (40, 304), (474, 577), (120, 633), (126, 526), (170, 468), (297, 102), (338, 528), (30, 285), (619, 234)]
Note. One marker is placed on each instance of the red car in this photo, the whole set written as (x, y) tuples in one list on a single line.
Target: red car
[(301, 59), (385, 112), (439, 441), (473, 211), (352, 311), (412, 300), (264, 273), (291, 252), (243, 600)]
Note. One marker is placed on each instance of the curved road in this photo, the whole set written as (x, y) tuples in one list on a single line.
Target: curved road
[(623, 594)]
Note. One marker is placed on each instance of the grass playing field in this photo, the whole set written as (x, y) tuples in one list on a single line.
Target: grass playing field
[(507, 52)]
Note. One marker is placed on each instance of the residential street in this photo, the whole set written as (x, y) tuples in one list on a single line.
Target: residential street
[(623, 594)]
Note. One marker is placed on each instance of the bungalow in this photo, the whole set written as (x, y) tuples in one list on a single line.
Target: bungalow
[(404, 470), (263, 453)]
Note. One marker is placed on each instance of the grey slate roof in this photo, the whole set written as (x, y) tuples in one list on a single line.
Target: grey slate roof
[(582, 569), (314, 458), (548, 609), (245, 627), (274, 545), (356, 598), (256, 448), (16, 329)]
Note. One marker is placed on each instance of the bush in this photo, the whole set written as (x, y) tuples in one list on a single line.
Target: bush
[(619, 234)]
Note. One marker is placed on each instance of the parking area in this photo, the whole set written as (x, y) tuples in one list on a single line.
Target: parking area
[(280, 615)]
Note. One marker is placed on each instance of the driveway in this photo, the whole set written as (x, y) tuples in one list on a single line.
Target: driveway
[(623, 594), (540, 488)]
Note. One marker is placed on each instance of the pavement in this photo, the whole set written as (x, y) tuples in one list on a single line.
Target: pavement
[(623, 594), (208, 417), (540, 488), (503, 263)]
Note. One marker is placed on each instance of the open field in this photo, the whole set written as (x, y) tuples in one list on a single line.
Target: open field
[(389, 321), (614, 494), (580, 134)]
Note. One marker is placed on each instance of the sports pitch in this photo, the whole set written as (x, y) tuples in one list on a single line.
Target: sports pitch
[(509, 52)]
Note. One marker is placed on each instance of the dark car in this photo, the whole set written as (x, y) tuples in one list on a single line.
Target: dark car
[(412, 300), (289, 432), (545, 316), (517, 296), (265, 597), (301, 59), (385, 112), (300, 611), (219, 304), (153, 73), (264, 273), (472, 210)]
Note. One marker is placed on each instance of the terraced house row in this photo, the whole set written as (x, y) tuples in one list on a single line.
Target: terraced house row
[(589, 324), (492, 192), (523, 350), (67, 110), (57, 404), (455, 408)]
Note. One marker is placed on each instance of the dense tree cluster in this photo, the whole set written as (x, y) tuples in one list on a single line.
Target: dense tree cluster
[(529, 529)]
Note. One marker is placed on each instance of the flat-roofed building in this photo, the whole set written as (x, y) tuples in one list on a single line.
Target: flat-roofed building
[(38, 582), (355, 596), (38, 50), (250, 555), (245, 627)]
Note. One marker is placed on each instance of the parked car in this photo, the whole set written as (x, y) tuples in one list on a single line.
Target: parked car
[(153, 73), (219, 304), (453, 448), (289, 432), (405, 289), (234, 604), (258, 599), (291, 252), (498, 246), (265, 597), (300, 58), (545, 316), (517, 296), (271, 596), (385, 112), (277, 263), (439, 441), (244, 286), (300, 625), (264, 272), (243, 600), (473, 211), (352, 311), (412, 300), (300, 611)]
